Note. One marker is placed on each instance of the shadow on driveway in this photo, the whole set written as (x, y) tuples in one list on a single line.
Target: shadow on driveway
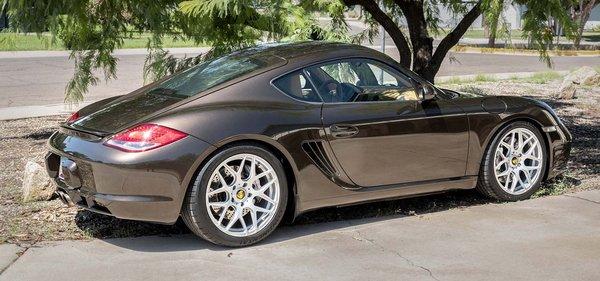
[(105, 227)]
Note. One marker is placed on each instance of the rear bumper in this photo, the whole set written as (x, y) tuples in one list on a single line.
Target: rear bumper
[(135, 207), (147, 186)]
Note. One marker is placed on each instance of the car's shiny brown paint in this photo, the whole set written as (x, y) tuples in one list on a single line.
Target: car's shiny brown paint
[(404, 148), (399, 142)]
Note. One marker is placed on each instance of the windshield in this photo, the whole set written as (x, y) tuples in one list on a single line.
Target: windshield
[(211, 73)]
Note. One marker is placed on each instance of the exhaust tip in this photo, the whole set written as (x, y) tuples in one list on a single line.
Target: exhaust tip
[(65, 198), (61, 197)]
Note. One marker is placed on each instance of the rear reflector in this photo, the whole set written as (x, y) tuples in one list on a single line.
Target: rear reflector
[(144, 137)]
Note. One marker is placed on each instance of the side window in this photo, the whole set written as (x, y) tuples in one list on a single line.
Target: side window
[(384, 77), (297, 86), (341, 72), (361, 80)]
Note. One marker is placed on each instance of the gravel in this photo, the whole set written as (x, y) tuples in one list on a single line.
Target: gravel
[(27, 223)]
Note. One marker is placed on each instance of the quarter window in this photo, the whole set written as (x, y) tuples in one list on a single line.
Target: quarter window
[(297, 86)]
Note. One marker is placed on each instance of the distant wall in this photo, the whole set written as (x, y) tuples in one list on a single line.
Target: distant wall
[(512, 14), (594, 20)]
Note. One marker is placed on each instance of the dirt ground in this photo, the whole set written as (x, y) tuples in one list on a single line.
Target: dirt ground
[(25, 139)]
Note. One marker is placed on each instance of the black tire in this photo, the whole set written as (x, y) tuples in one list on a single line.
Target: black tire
[(194, 211), (487, 183)]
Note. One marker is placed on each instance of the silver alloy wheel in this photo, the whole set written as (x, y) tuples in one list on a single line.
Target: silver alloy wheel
[(242, 195), (518, 161)]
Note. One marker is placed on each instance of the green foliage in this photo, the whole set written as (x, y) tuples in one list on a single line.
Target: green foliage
[(93, 29), (535, 23)]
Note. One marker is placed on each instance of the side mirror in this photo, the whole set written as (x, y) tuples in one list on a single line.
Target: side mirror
[(426, 92)]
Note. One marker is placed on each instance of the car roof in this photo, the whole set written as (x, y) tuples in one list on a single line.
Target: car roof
[(299, 50)]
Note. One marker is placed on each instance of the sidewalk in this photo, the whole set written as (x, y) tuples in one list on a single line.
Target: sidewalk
[(552, 238), (18, 112)]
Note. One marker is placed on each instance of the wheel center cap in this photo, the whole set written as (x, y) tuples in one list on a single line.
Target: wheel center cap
[(515, 161), (240, 194)]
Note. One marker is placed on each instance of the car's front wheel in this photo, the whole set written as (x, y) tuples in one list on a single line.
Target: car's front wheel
[(238, 198), (514, 163)]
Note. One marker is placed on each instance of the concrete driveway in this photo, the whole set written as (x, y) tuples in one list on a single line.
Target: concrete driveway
[(552, 238)]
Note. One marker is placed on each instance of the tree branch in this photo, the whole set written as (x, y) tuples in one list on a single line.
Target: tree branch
[(389, 25), (452, 38)]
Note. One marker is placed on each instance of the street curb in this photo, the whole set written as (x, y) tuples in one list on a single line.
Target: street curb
[(30, 111)]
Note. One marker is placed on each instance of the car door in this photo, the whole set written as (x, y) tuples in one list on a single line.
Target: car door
[(379, 129)]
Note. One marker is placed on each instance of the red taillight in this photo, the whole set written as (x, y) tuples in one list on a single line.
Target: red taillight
[(144, 137), (73, 117)]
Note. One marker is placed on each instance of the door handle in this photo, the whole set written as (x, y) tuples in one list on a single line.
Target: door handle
[(343, 131)]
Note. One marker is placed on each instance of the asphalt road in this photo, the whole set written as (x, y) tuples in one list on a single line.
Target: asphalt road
[(552, 238), (41, 80)]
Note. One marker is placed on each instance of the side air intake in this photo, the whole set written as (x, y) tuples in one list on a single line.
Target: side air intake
[(316, 152)]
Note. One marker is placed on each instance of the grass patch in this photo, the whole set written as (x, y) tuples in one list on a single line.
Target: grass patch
[(479, 78), (540, 77), (537, 78), (33, 42), (545, 77), (484, 78), (454, 80), (556, 186)]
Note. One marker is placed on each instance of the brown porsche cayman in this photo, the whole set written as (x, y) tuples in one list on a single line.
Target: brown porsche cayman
[(233, 144)]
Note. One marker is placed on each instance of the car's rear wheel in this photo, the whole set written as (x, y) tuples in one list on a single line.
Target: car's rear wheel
[(514, 164), (238, 198)]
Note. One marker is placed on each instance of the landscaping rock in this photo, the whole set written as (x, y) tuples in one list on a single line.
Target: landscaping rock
[(37, 186), (585, 76), (567, 90)]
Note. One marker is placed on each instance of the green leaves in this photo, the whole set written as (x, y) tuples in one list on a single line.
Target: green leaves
[(536, 24), (93, 29)]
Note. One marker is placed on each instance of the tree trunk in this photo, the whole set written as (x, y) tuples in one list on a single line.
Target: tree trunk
[(486, 27), (390, 27), (494, 17), (425, 62), (584, 14), (493, 30), (451, 40), (492, 40), (422, 43)]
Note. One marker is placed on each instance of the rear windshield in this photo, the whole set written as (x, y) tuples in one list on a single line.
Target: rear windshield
[(212, 73)]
